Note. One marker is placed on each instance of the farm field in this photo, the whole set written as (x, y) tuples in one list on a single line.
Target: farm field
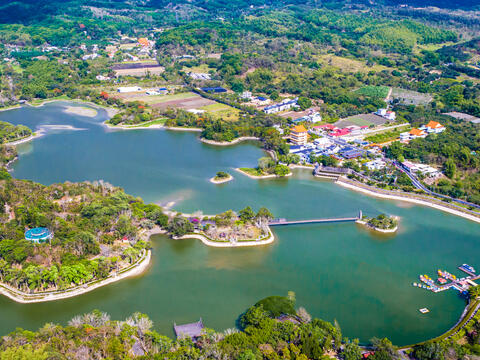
[(142, 71), (374, 91), (409, 97), (361, 120)]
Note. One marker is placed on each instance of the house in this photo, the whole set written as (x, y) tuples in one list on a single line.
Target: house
[(390, 115), (246, 95), (217, 89), (143, 42), (102, 78), (433, 127), (286, 104), (90, 56), (312, 118), (260, 101), (163, 91), (425, 170), (377, 164), (152, 92), (412, 134), (298, 135), (126, 89)]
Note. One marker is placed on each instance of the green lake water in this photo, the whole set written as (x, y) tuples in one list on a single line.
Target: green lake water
[(338, 271)]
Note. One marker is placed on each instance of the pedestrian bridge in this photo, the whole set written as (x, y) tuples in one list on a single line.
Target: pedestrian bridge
[(282, 221)]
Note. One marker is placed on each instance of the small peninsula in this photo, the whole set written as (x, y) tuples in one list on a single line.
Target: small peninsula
[(381, 223)]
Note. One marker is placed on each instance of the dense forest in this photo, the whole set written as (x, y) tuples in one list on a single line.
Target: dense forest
[(88, 222), (270, 329)]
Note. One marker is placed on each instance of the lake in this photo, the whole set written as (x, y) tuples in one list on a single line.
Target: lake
[(337, 271)]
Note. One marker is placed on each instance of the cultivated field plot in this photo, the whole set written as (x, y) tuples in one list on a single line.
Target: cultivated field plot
[(186, 101), (143, 71), (380, 92), (409, 97), (222, 111), (361, 120)]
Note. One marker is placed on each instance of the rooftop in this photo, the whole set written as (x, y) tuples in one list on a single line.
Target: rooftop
[(299, 129), (191, 330)]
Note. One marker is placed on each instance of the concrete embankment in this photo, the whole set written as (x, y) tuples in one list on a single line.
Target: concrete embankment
[(407, 197)]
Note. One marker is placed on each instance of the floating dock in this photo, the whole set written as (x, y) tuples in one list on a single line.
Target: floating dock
[(447, 280)]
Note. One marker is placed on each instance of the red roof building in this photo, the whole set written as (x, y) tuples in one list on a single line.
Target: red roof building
[(341, 132)]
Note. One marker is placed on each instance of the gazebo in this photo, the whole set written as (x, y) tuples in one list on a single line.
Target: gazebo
[(192, 330), (38, 235)]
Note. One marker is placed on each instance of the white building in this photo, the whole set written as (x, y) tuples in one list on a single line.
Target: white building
[(246, 95), (286, 104), (126, 89), (433, 127), (425, 170), (90, 56), (102, 78), (390, 115), (322, 143), (377, 164), (199, 76)]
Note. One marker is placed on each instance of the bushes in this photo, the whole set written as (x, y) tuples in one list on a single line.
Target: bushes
[(277, 305)]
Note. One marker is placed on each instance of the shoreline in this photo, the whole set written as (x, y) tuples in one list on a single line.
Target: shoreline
[(228, 143), (178, 128), (269, 176), (132, 127), (221, 181), (407, 199), (36, 135), (24, 298), (269, 240)]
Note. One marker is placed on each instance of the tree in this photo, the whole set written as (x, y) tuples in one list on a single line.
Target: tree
[(264, 213), (450, 168), (246, 214), (281, 170), (265, 163), (474, 292), (351, 351), (384, 349), (429, 351), (304, 103), (179, 226)]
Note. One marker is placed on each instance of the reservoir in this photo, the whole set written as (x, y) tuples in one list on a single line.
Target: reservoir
[(337, 271)]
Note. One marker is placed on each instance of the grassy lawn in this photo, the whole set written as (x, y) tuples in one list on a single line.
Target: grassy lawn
[(360, 122), (374, 91), (150, 123), (387, 135), (251, 171), (223, 111), (347, 64)]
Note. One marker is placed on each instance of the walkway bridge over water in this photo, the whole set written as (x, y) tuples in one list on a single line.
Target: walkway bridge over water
[(282, 221)]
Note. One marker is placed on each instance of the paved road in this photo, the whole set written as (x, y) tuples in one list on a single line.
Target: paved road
[(420, 186)]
